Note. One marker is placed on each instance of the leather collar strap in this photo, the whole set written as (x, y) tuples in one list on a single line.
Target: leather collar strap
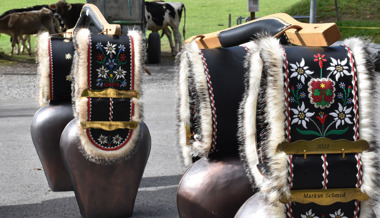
[(54, 56), (307, 93), (107, 87), (211, 83)]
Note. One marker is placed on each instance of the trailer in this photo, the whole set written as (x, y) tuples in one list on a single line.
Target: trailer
[(130, 14)]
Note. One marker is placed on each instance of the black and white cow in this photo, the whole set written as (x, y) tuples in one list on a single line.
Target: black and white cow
[(161, 15)]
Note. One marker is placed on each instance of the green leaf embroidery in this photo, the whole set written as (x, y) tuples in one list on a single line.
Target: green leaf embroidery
[(308, 132), (329, 92), (323, 102), (316, 92), (337, 132)]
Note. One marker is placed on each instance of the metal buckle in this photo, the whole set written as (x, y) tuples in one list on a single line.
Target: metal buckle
[(110, 93), (110, 125), (325, 196), (323, 146)]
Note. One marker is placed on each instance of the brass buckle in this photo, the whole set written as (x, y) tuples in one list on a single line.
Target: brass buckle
[(189, 134), (110, 125), (325, 196), (323, 146), (110, 93)]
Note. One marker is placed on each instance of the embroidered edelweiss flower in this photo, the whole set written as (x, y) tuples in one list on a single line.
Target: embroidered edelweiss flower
[(309, 214), (338, 68), (301, 115), (102, 139), (342, 115), (300, 70), (117, 139), (120, 73), (338, 214), (102, 72), (110, 48)]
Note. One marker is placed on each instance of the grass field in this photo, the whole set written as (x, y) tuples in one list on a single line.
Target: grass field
[(204, 16), (201, 16)]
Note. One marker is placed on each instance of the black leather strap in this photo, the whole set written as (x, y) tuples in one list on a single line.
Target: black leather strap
[(245, 33), (225, 74), (61, 58)]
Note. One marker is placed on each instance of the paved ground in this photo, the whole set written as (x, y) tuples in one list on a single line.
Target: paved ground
[(24, 191)]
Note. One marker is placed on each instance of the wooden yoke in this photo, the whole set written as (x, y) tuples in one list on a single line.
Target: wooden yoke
[(91, 13), (298, 33)]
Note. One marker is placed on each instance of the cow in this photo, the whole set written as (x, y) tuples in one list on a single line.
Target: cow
[(25, 39), (161, 16), (69, 13), (26, 23)]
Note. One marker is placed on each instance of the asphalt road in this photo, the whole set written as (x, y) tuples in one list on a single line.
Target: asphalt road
[(24, 191)]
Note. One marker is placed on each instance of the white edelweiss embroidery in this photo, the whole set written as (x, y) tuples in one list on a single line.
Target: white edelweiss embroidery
[(338, 68), (117, 140), (301, 115), (338, 214), (342, 115), (120, 73), (300, 71), (102, 72), (309, 214), (110, 48), (102, 139)]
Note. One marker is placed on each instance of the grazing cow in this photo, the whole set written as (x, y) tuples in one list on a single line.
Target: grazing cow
[(26, 23), (161, 15), (69, 12), (25, 40)]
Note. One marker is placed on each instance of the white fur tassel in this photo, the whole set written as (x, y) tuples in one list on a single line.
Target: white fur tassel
[(43, 68)]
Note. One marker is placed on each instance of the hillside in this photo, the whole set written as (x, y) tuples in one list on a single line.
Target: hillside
[(357, 17)]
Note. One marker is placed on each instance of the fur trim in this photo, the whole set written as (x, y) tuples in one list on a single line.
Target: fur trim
[(364, 63), (247, 114), (203, 146), (139, 60), (183, 106), (43, 69), (276, 184), (192, 79), (94, 154)]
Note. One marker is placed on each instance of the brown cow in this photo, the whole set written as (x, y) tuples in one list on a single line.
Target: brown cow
[(26, 23)]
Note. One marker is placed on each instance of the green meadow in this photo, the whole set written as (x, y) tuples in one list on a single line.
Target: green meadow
[(205, 16)]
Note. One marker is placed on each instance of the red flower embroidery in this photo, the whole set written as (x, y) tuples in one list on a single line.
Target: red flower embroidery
[(122, 57), (322, 117), (320, 59), (100, 57)]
